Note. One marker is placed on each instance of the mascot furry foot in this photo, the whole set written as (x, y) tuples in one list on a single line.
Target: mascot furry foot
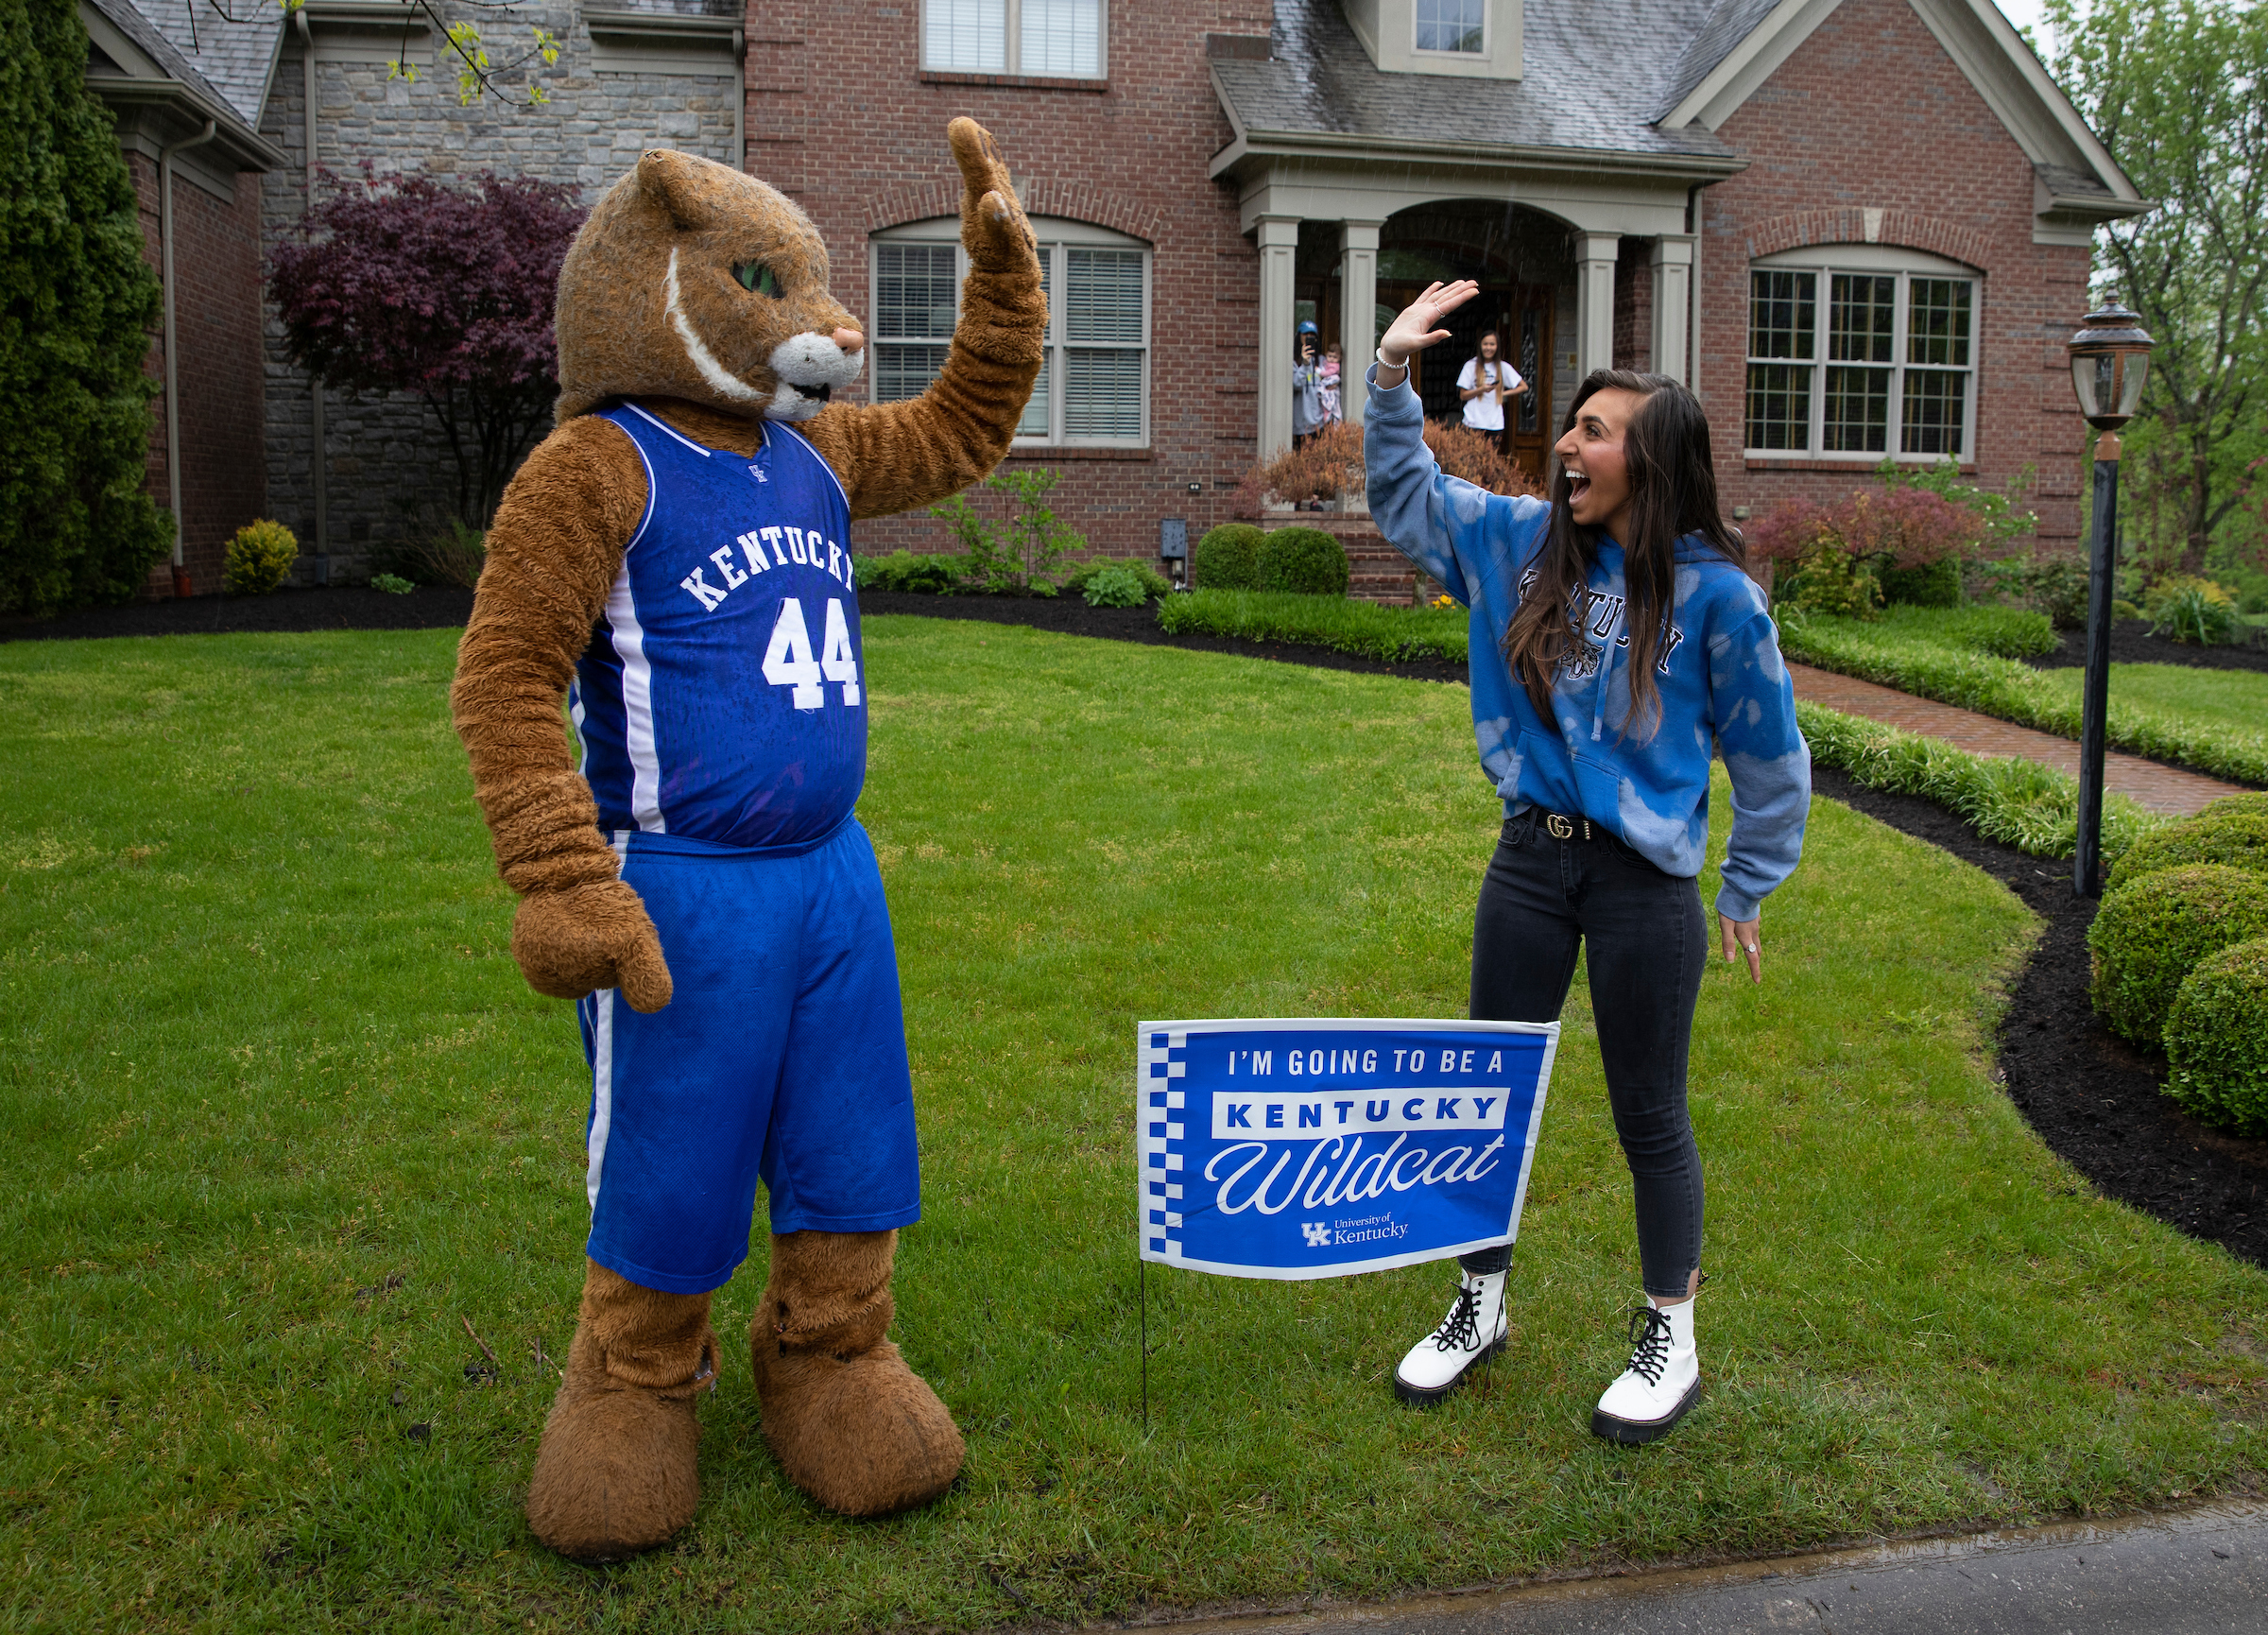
[(616, 1471), (678, 554), (852, 1425)]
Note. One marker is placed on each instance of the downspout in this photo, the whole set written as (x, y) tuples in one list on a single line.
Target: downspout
[(173, 379), (740, 100), (315, 382)]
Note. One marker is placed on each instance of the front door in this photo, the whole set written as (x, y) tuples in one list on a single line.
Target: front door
[(1522, 315), (1528, 430)]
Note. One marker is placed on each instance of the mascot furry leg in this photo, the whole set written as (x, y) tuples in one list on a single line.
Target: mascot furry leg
[(674, 555)]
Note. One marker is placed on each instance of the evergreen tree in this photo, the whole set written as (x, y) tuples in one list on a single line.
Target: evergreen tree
[(77, 306)]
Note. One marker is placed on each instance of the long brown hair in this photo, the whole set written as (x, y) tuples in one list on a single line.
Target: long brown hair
[(1672, 493)]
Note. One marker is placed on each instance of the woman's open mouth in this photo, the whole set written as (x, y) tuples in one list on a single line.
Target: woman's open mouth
[(1577, 486)]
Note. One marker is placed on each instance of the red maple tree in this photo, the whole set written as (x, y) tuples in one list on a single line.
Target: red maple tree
[(408, 283)]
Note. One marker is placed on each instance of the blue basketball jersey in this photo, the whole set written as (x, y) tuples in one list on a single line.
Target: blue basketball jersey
[(722, 697)]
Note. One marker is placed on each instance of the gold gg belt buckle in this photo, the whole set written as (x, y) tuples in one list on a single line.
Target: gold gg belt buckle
[(1560, 828)]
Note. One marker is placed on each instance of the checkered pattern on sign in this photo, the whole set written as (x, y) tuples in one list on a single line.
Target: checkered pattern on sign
[(1164, 1064)]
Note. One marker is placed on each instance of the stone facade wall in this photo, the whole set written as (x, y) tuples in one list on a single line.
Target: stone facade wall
[(1130, 152), (216, 358), (1926, 153), (390, 477)]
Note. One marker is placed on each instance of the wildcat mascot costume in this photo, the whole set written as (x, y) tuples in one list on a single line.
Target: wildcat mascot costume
[(674, 558)]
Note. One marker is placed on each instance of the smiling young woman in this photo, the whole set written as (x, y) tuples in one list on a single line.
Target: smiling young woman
[(1615, 637)]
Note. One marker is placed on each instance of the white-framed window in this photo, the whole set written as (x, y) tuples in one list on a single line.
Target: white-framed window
[(1857, 351), (1451, 26), (1094, 385), (1043, 39)]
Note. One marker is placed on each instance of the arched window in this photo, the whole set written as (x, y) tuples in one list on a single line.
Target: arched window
[(1094, 389), (1858, 351)]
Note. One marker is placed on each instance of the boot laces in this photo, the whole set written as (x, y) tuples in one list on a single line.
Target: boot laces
[(1461, 1330), (1652, 1355)]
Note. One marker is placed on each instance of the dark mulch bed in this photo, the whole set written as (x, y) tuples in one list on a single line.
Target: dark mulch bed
[(2094, 1099), (2131, 642), (332, 608)]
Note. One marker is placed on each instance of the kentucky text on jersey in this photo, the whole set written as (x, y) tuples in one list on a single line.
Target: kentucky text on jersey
[(722, 697)]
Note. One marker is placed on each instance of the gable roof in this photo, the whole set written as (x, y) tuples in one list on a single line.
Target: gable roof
[(1594, 76), (235, 48), (132, 64), (1746, 41)]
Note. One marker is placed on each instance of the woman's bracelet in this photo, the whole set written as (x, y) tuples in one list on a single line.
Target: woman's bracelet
[(1402, 368)]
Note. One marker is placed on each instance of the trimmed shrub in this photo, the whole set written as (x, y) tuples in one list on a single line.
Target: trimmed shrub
[(2150, 935), (2217, 1040), (1306, 561), (2239, 840), (1475, 456), (392, 584), (258, 558), (1227, 558), (1935, 584), (938, 574), (2252, 801), (77, 307)]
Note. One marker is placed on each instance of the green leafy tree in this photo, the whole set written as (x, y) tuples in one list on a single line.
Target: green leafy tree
[(2178, 88), (77, 306)]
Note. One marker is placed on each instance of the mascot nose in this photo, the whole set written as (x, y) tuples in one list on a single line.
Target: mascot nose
[(848, 339)]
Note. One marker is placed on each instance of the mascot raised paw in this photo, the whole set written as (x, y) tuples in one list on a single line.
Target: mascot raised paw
[(674, 558)]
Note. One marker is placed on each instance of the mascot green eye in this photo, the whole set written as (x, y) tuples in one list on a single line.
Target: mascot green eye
[(754, 275)]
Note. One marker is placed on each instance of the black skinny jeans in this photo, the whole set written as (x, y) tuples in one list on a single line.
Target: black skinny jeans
[(1542, 899)]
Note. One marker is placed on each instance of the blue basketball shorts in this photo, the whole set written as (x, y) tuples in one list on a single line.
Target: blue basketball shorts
[(781, 1056)]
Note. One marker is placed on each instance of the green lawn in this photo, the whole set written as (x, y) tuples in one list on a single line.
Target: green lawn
[(283, 1118), (2214, 720), (2222, 702)]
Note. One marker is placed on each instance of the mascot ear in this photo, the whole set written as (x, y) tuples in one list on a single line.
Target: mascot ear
[(677, 183)]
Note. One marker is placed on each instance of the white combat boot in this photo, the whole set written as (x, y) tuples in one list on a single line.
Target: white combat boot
[(1474, 1329), (1662, 1381)]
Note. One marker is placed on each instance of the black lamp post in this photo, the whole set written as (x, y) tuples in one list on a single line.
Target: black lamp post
[(2110, 358)]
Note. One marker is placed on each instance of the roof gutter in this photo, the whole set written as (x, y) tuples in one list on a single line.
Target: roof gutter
[(1335, 145), (315, 381), (173, 379)]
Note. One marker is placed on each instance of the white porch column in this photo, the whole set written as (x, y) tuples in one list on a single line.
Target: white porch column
[(1672, 263), (1358, 312), (1594, 311), (1279, 237)]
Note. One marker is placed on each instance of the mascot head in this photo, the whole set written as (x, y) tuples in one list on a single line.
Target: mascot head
[(692, 280)]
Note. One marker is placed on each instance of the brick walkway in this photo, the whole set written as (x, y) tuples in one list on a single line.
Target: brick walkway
[(2160, 789)]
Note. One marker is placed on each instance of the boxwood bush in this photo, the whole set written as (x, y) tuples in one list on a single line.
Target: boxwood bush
[(2251, 801), (936, 574), (1228, 557), (1306, 561), (2239, 840), (2150, 935), (259, 557), (2217, 1040)]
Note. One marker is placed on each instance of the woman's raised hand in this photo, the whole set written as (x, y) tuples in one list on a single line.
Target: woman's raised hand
[(1414, 329)]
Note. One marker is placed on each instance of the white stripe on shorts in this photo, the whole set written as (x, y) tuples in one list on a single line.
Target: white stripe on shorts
[(602, 1086)]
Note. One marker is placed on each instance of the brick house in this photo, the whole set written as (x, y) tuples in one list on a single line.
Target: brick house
[(1859, 228)]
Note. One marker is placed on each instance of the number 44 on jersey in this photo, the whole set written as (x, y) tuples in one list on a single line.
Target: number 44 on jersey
[(788, 662)]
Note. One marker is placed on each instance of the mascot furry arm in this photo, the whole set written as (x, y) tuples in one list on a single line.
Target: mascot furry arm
[(693, 317), (559, 538)]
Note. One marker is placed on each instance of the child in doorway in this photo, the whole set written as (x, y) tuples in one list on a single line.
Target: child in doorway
[(1328, 390)]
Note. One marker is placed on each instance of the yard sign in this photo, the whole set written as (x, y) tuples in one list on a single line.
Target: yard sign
[(1310, 1150)]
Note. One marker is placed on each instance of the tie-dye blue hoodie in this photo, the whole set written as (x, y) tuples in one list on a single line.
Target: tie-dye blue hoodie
[(1722, 674)]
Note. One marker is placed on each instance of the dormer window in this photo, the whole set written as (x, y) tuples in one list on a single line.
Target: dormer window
[(1452, 25)]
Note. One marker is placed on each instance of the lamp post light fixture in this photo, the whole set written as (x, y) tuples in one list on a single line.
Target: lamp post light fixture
[(2110, 359)]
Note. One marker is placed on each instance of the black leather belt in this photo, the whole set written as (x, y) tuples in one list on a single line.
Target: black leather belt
[(1560, 826)]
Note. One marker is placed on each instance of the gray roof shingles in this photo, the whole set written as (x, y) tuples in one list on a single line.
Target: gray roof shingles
[(1594, 78), (234, 50)]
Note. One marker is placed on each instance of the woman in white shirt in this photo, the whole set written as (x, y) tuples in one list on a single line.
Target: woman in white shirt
[(1484, 384)]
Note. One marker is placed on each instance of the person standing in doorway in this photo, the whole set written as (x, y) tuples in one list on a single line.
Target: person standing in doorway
[(1484, 385), (1615, 639), (1306, 382)]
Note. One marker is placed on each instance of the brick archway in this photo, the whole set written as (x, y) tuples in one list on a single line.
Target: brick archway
[(1800, 229), (1073, 200)]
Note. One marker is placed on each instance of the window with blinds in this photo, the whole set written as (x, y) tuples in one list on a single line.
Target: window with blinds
[(1860, 364), (1044, 38), (1093, 385)]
